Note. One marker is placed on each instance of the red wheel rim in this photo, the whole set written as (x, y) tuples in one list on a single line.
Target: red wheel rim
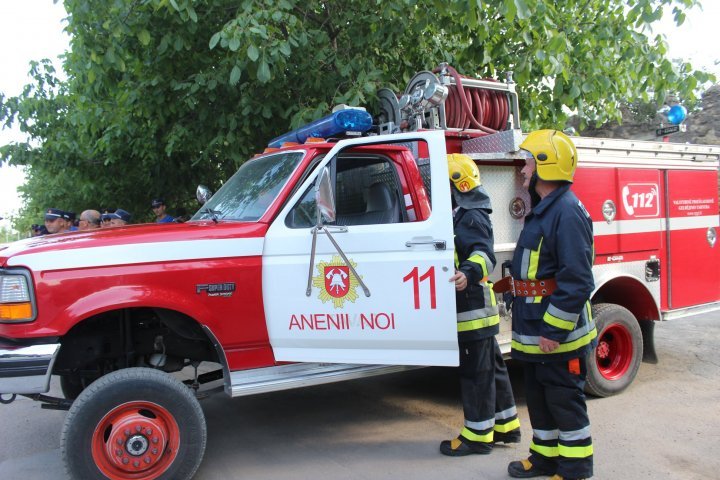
[(136, 440), (614, 351)]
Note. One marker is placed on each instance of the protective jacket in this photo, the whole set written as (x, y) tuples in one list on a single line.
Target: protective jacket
[(477, 311), (556, 242)]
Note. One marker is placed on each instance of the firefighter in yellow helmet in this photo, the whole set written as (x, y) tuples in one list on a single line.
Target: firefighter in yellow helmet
[(552, 324), (488, 404)]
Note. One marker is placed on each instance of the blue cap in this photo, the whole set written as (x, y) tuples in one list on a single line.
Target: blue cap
[(55, 213), (119, 213)]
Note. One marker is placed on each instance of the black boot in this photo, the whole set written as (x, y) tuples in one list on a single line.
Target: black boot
[(459, 448), (525, 469)]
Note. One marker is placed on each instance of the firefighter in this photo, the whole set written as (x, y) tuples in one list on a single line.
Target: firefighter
[(488, 404), (552, 324)]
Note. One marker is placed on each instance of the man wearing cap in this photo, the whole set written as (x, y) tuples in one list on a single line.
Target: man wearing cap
[(57, 221), (118, 218), (159, 207), (89, 220)]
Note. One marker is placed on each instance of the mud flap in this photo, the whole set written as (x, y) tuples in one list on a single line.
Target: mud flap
[(647, 327)]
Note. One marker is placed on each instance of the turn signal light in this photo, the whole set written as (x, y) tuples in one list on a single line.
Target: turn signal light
[(16, 312)]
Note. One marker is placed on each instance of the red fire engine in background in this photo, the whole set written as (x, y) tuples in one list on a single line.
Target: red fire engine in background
[(327, 258)]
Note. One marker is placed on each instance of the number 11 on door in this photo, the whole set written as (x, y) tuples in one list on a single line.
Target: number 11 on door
[(416, 279)]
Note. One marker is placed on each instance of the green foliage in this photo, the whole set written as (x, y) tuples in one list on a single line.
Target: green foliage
[(164, 94)]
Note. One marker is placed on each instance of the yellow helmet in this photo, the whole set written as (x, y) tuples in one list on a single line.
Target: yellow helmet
[(555, 154), (464, 174)]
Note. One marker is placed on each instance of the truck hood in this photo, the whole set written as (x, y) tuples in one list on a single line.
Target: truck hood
[(144, 243)]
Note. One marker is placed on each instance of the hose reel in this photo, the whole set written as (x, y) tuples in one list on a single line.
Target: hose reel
[(443, 99)]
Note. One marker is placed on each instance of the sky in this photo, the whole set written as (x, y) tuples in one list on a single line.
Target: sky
[(33, 29)]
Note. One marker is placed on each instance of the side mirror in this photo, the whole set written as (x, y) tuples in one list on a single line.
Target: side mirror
[(324, 198), (203, 194)]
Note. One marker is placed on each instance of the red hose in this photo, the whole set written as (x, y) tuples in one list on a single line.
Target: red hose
[(485, 110)]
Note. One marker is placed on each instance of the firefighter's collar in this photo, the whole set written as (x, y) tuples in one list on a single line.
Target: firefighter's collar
[(547, 201)]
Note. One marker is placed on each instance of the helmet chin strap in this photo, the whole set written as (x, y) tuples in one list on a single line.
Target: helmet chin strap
[(534, 196)]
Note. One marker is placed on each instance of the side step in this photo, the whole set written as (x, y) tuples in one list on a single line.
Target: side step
[(296, 375)]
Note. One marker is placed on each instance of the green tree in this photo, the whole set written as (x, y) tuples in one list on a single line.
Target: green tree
[(164, 94)]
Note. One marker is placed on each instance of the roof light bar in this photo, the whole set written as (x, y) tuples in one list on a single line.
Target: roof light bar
[(337, 123)]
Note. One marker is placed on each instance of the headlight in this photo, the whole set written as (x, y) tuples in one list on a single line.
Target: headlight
[(16, 300)]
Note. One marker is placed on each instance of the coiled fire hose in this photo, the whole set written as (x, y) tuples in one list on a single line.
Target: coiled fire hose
[(485, 110)]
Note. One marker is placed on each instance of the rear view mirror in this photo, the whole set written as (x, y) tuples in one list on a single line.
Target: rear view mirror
[(203, 194), (324, 198)]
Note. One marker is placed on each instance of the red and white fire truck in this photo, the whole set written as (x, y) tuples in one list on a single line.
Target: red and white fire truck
[(327, 258)]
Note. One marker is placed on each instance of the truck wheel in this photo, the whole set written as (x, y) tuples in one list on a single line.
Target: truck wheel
[(613, 364), (135, 423)]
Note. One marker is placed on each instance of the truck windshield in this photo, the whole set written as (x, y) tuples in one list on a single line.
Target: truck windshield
[(249, 193)]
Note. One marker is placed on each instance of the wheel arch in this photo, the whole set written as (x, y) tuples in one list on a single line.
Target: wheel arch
[(104, 335), (627, 291), (130, 296)]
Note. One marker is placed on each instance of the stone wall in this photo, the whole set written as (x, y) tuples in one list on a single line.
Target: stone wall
[(703, 126)]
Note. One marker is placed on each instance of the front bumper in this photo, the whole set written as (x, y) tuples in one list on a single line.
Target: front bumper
[(26, 369)]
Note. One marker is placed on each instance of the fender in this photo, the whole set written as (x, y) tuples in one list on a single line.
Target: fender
[(629, 291), (129, 296)]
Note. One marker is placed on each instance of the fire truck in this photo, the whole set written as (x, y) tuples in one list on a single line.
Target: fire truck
[(327, 258)]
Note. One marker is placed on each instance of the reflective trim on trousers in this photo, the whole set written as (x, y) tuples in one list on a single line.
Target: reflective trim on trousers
[(574, 452), (507, 427), (474, 437), (546, 434), (510, 412), (484, 425), (574, 435), (549, 452)]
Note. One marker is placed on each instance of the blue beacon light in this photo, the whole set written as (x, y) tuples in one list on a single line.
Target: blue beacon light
[(677, 114), (342, 121)]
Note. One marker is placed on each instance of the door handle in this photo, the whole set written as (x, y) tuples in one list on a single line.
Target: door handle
[(438, 244)]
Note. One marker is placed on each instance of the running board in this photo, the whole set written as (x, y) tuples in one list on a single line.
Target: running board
[(296, 375), (689, 311)]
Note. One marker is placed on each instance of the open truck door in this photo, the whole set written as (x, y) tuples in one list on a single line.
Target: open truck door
[(371, 285)]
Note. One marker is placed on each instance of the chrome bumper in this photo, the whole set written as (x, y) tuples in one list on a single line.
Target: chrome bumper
[(26, 368)]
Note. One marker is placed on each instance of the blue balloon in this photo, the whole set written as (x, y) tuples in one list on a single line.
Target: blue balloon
[(677, 114)]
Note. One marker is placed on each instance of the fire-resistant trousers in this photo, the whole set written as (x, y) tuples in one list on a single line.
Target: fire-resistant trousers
[(561, 428), (488, 403)]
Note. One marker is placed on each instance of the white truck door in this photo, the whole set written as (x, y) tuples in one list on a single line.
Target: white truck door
[(409, 316)]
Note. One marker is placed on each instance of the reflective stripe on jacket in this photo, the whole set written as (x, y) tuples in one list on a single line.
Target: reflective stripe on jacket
[(556, 242), (477, 310)]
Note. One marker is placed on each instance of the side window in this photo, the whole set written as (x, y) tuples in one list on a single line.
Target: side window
[(367, 192)]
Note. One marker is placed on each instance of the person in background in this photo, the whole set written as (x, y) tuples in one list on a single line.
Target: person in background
[(105, 218), (58, 221), (38, 230), (552, 325), (89, 220), (119, 218), (487, 397), (159, 209)]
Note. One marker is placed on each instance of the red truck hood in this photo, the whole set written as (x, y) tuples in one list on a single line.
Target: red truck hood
[(135, 244)]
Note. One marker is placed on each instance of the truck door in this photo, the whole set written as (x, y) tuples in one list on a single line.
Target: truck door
[(694, 253), (407, 315)]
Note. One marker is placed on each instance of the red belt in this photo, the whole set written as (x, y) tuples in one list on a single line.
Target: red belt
[(526, 288)]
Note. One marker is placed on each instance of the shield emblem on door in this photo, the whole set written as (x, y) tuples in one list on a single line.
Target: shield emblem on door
[(337, 280)]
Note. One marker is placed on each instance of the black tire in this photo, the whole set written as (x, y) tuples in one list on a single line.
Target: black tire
[(613, 364), (142, 415)]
